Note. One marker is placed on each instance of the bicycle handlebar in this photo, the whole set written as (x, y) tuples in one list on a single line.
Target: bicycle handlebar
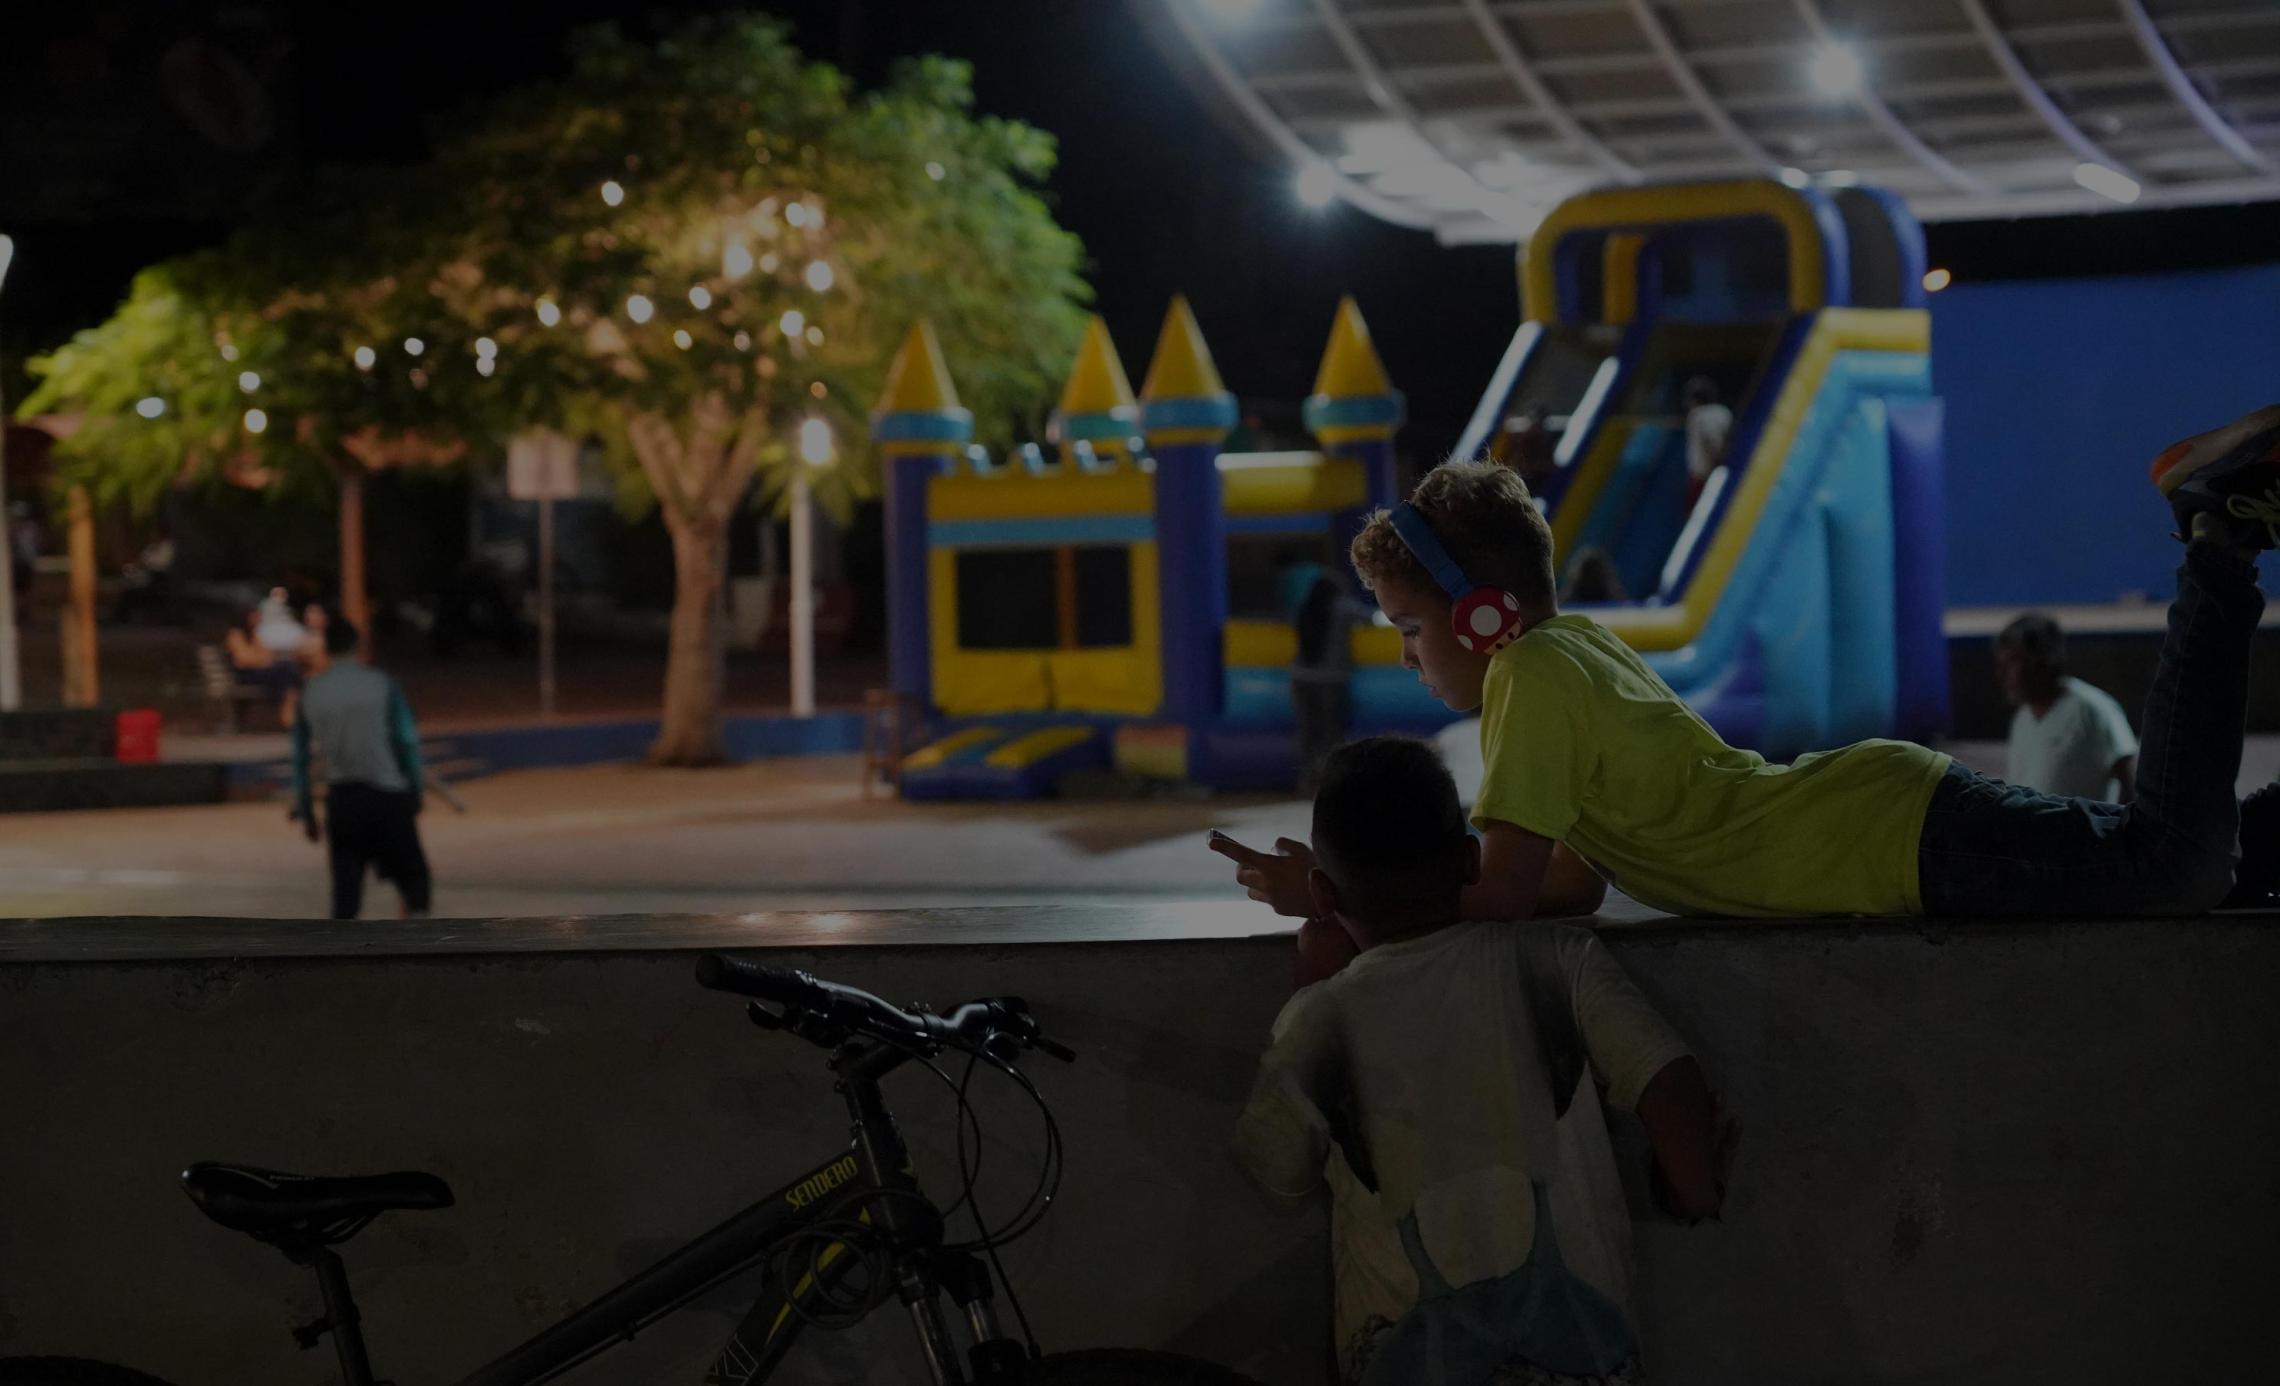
[(828, 1012)]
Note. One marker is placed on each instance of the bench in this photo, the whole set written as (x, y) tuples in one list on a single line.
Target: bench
[(223, 689)]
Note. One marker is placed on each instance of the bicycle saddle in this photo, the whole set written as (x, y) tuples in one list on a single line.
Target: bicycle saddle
[(245, 1199)]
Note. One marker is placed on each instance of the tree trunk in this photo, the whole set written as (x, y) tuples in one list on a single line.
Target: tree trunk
[(353, 605), (696, 659)]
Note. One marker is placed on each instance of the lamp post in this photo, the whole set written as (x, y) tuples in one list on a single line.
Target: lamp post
[(817, 448), (11, 679)]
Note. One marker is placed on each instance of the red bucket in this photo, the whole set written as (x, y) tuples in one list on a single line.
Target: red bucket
[(138, 735)]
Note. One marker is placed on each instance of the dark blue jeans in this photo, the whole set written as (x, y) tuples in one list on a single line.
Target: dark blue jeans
[(1993, 849)]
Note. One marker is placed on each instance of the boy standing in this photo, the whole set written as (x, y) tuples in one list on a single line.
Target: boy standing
[(1480, 1233), (1587, 747)]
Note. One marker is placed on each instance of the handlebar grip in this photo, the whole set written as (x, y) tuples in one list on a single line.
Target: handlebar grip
[(759, 981)]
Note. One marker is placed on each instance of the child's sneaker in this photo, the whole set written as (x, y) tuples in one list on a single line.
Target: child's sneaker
[(2232, 471)]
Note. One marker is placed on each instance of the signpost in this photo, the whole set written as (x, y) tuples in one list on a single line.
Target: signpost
[(542, 466)]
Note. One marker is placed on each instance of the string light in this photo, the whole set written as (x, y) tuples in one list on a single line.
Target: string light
[(736, 260), (414, 346), (548, 314), (366, 357), (700, 297), (486, 366), (255, 421), (818, 389), (819, 275), (485, 348), (229, 353), (682, 339), (639, 308), (936, 171), (613, 193), (814, 335), (744, 341), (249, 381), (793, 322), (797, 214), (150, 407), (769, 261)]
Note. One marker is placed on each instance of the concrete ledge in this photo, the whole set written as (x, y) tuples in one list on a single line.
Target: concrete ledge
[(1970, 1152)]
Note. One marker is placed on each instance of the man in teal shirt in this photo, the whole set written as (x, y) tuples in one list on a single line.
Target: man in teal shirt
[(356, 719)]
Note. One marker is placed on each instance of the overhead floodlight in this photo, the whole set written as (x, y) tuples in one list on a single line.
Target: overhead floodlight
[(1835, 69), (1797, 178), (2107, 183), (1316, 185)]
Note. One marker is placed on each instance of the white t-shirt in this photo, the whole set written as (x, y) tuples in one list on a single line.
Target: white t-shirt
[(1436, 1056), (1707, 428), (2073, 748)]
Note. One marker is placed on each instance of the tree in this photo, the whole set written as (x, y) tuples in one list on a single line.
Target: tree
[(280, 360), (704, 251)]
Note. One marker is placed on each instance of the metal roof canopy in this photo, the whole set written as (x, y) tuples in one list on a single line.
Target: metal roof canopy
[(1474, 118)]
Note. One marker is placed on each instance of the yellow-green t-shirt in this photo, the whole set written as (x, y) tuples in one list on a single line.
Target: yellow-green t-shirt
[(1583, 742)]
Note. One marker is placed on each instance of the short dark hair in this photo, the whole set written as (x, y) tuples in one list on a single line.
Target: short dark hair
[(2037, 639), (1388, 830), (340, 635)]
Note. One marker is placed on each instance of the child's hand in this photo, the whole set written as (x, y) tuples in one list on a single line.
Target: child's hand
[(1279, 881), (1324, 949)]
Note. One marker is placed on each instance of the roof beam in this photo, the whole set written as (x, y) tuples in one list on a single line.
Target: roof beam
[(2189, 96), (1523, 76)]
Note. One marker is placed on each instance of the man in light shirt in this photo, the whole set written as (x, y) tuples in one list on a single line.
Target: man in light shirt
[(1708, 426), (2067, 737)]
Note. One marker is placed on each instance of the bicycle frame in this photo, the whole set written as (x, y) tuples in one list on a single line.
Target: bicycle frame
[(870, 1182)]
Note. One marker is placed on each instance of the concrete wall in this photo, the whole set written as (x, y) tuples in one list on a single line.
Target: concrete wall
[(1978, 1154)]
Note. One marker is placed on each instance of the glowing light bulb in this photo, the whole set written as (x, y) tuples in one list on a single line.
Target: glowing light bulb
[(793, 322), (2107, 182), (1835, 69), (816, 448), (743, 341), (414, 346), (150, 406), (1317, 185), (366, 357), (255, 421), (249, 381), (639, 308), (700, 297), (682, 339), (820, 276), (770, 261), (936, 171), (613, 193), (814, 335), (736, 260), (486, 366), (486, 348), (229, 353), (548, 313)]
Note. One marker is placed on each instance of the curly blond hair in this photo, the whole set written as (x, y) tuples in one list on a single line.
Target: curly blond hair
[(1487, 521)]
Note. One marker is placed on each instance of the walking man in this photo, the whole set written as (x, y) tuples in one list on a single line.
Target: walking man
[(356, 719)]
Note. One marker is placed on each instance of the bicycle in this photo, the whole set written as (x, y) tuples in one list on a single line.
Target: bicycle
[(833, 1245)]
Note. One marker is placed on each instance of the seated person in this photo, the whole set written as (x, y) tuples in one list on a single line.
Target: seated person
[(1448, 1085), (254, 664), (2067, 738)]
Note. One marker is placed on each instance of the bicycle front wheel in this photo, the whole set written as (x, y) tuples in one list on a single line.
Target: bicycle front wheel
[(69, 1371), (1131, 1367)]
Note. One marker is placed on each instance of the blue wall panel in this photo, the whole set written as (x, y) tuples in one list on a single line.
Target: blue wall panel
[(2059, 393)]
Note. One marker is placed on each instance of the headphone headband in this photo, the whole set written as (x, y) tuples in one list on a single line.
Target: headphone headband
[(1417, 533)]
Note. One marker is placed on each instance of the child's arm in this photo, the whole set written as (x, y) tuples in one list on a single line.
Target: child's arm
[(1682, 1126), (1525, 875)]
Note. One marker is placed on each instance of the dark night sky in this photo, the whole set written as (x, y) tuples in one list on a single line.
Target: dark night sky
[(1165, 196)]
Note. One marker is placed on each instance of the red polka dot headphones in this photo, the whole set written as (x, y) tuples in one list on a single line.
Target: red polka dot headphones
[(1485, 619)]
